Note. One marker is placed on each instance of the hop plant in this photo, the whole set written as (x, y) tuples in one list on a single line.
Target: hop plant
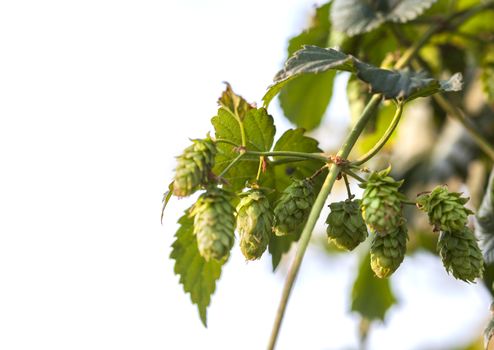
[(193, 167), (446, 210), (293, 207), (381, 202), (388, 251), (214, 223), (346, 228), (254, 221), (461, 254)]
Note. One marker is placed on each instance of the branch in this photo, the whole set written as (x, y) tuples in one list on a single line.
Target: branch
[(314, 156), (380, 144), (335, 170)]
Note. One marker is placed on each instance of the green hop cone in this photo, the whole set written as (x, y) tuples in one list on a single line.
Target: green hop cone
[(381, 202), (214, 223), (446, 210), (461, 254), (388, 251), (254, 221), (293, 207), (193, 167), (346, 228)]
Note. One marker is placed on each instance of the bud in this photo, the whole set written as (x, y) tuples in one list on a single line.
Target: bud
[(446, 209), (346, 228), (461, 254), (214, 223), (254, 221), (381, 202), (388, 251), (193, 167), (293, 207)]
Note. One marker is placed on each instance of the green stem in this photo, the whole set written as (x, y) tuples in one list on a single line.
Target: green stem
[(347, 185), (227, 142), (380, 144), (315, 156), (314, 215), (352, 174), (286, 160), (232, 163)]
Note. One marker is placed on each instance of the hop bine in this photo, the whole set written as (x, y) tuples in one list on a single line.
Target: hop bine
[(254, 221), (388, 251), (381, 202), (346, 228), (293, 207), (193, 167), (461, 254), (214, 223), (446, 210)]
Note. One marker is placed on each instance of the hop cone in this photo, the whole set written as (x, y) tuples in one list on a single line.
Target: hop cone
[(214, 223), (388, 251), (381, 202), (254, 221), (193, 167), (461, 254), (346, 228), (446, 209), (293, 207)]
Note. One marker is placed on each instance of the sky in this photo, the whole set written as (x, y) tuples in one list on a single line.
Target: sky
[(96, 100)]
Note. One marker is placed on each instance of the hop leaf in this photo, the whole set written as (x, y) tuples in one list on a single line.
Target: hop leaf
[(254, 221), (446, 210), (388, 252), (193, 167), (381, 202), (293, 207), (461, 254), (346, 228), (214, 223)]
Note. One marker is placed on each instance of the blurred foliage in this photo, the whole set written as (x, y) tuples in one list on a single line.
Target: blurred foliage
[(428, 148)]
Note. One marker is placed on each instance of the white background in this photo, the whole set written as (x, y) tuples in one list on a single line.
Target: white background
[(96, 99)]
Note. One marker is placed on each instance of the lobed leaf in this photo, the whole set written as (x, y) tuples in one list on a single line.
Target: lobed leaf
[(197, 275), (484, 228), (259, 131), (403, 84), (359, 16)]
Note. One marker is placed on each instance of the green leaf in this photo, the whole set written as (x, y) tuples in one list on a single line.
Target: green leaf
[(305, 99), (233, 102), (166, 198), (358, 16), (372, 297), (197, 275), (403, 84), (278, 177), (259, 133)]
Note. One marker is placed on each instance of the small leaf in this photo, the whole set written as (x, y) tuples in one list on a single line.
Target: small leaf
[(359, 16), (278, 177), (304, 100), (197, 275), (372, 297), (403, 84), (166, 198)]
